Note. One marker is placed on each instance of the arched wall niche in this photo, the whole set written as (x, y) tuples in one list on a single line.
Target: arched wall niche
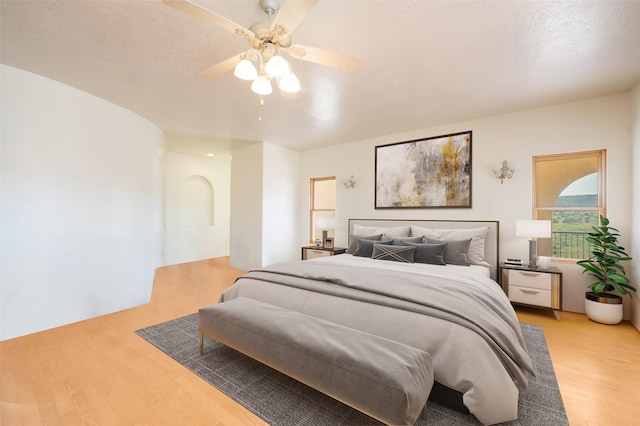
[(197, 202)]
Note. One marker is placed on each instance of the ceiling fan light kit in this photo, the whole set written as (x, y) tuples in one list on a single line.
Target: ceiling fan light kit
[(261, 86), (245, 70), (268, 41), (272, 66), (289, 83), (277, 67)]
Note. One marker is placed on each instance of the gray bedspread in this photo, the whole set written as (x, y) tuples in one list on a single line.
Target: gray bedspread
[(466, 323)]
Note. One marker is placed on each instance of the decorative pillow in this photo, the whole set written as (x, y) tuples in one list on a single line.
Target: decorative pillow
[(475, 254), (455, 253), (396, 231), (396, 253), (354, 241), (397, 241), (365, 247), (429, 253)]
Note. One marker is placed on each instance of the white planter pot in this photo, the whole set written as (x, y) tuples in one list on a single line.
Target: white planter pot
[(605, 310)]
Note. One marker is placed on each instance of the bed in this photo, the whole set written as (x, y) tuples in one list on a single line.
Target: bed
[(453, 310)]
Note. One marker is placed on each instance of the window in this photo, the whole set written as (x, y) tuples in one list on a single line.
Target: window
[(322, 210), (569, 190)]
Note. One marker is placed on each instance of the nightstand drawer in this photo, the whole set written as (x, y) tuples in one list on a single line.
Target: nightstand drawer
[(534, 280), (530, 296), (312, 254), (532, 286)]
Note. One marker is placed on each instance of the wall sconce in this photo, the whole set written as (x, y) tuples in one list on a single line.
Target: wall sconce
[(351, 183), (533, 229), (504, 172)]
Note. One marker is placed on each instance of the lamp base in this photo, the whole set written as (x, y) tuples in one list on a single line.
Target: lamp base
[(533, 254), (324, 239)]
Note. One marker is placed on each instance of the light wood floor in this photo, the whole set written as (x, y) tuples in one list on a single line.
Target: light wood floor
[(98, 372)]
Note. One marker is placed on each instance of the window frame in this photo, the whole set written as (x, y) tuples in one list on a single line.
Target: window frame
[(312, 182), (601, 208)]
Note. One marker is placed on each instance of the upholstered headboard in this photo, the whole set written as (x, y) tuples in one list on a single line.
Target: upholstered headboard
[(491, 242)]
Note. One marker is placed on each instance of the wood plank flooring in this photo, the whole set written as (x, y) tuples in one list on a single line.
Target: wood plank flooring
[(98, 372)]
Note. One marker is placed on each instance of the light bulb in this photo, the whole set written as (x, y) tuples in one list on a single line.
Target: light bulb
[(245, 70), (277, 66), (261, 86), (289, 83)]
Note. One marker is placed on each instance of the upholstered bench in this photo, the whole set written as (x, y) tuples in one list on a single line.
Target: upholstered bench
[(387, 380)]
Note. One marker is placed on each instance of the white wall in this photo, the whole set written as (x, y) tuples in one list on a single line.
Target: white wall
[(264, 185), (245, 250), (516, 137), (195, 231), (635, 188), (280, 195), (81, 205)]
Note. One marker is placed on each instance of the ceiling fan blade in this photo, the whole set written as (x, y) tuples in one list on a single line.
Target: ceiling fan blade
[(200, 12), (325, 57), (291, 13), (221, 68)]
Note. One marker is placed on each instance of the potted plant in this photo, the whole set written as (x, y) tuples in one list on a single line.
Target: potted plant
[(604, 265)]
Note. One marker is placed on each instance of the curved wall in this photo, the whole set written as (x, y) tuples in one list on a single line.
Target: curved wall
[(81, 210)]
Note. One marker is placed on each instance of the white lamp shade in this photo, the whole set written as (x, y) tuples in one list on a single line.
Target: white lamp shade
[(289, 83), (325, 223), (261, 86), (277, 67), (533, 228), (245, 70)]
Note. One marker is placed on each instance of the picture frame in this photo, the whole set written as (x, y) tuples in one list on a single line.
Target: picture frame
[(328, 243), (432, 172)]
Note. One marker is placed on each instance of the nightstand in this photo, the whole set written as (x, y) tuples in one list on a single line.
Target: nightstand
[(311, 252), (533, 286)]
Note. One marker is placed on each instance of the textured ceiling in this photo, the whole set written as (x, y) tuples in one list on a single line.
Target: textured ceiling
[(424, 63)]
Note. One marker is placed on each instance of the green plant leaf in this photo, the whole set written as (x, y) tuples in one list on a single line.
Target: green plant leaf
[(604, 263)]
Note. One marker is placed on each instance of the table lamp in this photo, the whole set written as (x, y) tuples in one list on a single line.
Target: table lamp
[(533, 229), (325, 223)]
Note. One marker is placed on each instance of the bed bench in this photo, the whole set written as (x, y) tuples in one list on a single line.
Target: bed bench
[(387, 380)]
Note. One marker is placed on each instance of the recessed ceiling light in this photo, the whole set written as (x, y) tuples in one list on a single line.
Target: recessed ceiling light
[(210, 154)]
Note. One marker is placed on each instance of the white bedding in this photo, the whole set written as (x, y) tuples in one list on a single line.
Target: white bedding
[(463, 307)]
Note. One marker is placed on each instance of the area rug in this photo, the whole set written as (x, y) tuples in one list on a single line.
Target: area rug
[(280, 400)]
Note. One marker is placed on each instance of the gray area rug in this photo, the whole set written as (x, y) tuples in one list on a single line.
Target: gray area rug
[(280, 400)]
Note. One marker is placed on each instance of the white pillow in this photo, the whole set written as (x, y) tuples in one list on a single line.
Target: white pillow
[(475, 254), (396, 231)]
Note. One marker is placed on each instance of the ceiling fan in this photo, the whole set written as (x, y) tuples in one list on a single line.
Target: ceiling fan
[(268, 41)]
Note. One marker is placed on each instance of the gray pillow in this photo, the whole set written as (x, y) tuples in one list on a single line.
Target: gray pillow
[(354, 241), (455, 253), (397, 241), (395, 253), (365, 247), (429, 253)]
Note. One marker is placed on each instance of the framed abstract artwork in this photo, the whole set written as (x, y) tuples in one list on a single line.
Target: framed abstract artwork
[(424, 173)]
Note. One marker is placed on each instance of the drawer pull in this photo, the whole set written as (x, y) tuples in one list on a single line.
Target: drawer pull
[(529, 291), (529, 274)]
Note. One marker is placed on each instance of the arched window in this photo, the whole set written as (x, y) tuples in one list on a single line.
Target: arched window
[(569, 190)]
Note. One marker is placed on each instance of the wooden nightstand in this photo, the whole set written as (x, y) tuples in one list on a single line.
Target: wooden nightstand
[(533, 286), (311, 252)]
